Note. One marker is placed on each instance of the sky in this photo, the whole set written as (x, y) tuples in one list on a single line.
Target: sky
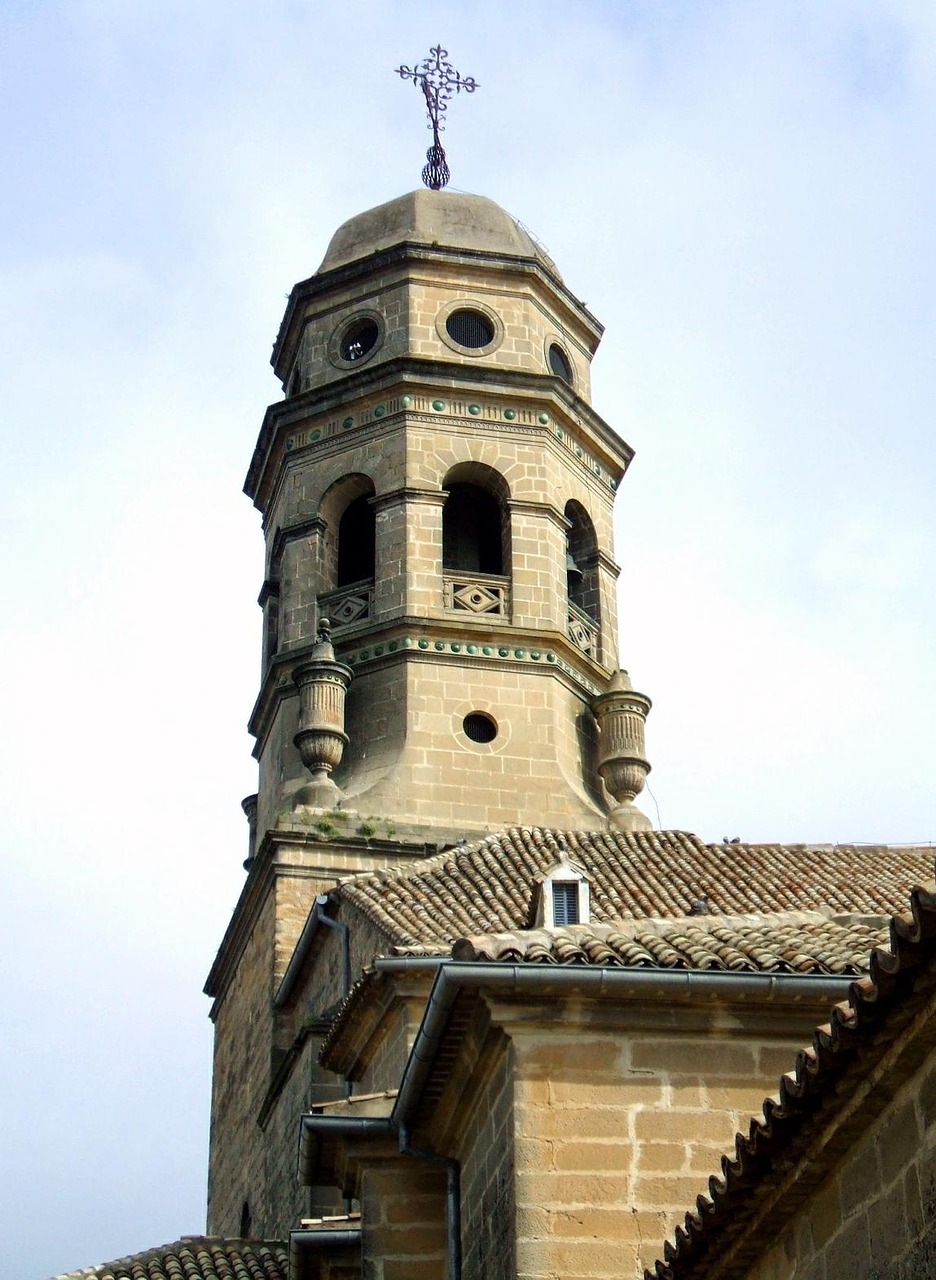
[(742, 191)]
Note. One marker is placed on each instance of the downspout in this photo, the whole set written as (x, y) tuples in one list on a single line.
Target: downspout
[(452, 1198), (322, 917)]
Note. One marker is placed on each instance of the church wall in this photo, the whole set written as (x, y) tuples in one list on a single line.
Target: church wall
[(242, 1049), (616, 1133), (403, 1219), (486, 1153), (254, 1044), (875, 1216)]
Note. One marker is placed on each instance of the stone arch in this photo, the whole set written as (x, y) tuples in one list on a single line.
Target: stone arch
[(476, 520), (582, 566), (348, 536)]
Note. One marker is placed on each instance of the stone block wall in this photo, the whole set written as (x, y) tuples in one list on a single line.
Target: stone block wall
[(616, 1134), (875, 1216), (486, 1152), (403, 1219)]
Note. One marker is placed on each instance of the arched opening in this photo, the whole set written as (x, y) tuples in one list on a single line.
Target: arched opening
[(349, 552), (356, 532), (476, 539), (471, 530), (582, 578)]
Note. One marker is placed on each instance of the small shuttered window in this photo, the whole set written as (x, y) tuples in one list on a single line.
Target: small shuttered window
[(565, 902)]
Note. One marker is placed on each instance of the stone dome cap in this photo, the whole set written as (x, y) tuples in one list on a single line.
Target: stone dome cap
[(448, 219)]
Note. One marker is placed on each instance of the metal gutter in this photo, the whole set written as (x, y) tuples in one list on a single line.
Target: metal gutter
[(682, 986), (304, 1241), (314, 1129)]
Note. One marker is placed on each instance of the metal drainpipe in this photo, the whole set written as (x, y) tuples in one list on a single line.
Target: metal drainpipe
[(323, 918), (452, 1198)]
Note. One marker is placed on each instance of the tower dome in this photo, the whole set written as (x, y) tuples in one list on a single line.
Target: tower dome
[(449, 219)]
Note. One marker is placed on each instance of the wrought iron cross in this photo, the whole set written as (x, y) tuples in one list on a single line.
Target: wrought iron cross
[(438, 81)]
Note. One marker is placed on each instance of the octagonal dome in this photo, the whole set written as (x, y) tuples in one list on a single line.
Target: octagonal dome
[(446, 219)]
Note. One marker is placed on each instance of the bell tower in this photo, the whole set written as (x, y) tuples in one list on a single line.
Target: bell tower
[(436, 493)]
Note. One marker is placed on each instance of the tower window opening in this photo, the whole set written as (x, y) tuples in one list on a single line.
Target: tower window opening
[(469, 328), (582, 561), (356, 531), (560, 364), (479, 727), (565, 895), (471, 530), (358, 339)]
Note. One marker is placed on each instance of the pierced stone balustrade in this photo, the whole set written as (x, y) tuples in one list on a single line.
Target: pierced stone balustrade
[(352, 603), (478, 593), (583, 631)]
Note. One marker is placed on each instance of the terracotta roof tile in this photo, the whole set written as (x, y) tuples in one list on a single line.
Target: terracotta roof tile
[(487, 887), (798, 942), (196, 1258), (861, 1031)]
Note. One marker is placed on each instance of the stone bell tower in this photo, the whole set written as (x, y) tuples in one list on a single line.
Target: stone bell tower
[(437, 486)]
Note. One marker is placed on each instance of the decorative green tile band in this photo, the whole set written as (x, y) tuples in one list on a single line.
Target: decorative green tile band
[(456, 647), (489, 412)]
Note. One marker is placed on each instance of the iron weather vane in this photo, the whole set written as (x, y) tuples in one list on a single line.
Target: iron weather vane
[(438, 81)]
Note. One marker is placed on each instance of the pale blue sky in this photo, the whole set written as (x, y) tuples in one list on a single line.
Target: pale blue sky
[(742, 191)]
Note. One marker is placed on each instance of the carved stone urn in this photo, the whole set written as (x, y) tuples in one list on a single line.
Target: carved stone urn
[(322, 682), (621, 714)]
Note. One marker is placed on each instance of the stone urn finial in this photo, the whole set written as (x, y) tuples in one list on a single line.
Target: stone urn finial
[(621, 714), (322, 682)]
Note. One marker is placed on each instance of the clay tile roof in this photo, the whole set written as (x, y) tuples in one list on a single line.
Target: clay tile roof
[(798, 942), (487, 887), (197, 1258), (723, 1235)]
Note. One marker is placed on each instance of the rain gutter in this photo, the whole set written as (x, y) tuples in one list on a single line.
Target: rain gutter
[(304, 1242), (314, 1129), (682, 986)]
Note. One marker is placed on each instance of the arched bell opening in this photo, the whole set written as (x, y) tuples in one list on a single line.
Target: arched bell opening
[(584, 597), (349, 551), (476, 540)]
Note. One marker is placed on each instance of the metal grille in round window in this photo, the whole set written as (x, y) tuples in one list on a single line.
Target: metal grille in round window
[(559, 363), (359, 338), (479, 728), (470, 329)]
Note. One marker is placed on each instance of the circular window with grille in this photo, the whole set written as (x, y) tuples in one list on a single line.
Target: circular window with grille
[(479, 727), (559, 363), (470, 328)]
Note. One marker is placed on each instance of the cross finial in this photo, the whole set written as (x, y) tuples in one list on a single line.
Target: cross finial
[(438, 81)]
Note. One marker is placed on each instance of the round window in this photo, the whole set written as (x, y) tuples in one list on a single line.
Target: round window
[(358, 339), (479, 727), (559, 363), (470, 328)]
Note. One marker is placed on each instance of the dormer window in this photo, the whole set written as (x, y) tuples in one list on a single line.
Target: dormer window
[(563, 896), (565, 901)]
